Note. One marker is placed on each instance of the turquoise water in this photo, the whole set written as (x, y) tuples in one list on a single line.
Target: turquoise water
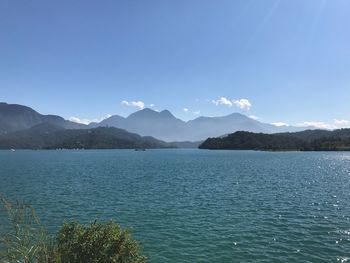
[(196, 205)]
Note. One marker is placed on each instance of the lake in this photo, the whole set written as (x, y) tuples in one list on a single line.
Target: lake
[(196, 205)]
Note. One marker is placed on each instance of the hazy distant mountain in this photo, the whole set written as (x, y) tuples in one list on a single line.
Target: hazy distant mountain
[(49, 136), (204, 127), (165, 126), (147, 122), (14, 117), (113, 121)]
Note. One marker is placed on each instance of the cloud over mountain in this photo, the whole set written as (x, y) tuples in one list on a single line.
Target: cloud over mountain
[(243, 104), (88, 121), (138, 104)]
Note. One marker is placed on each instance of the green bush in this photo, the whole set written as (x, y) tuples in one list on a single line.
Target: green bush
[(26, 241), (97, 243)]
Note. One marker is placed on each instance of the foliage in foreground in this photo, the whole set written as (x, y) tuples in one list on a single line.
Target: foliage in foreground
[(26, 241), (97, 242)]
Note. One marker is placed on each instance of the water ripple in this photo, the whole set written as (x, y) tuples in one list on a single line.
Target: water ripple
[(196, 206)]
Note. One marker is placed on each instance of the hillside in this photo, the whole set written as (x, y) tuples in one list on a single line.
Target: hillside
[(14, 117), (316, 140), (48, 136)]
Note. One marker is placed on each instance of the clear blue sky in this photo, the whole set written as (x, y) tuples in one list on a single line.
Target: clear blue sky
[(289, 58)]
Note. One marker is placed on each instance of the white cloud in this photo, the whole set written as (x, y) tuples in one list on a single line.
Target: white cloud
[(317, 124), (125, 102), (280, 124), (341, 123), (243, 104), (88, 121), (138, 104), (78, 120), (197, 112), (151, 105), (185, 109), (336, 124), (254, 117), (222, 101)]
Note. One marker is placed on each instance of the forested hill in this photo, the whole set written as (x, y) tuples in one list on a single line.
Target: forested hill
[(310, 140), (48, 136)]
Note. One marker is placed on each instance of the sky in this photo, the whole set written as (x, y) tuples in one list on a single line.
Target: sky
[(279, 61)]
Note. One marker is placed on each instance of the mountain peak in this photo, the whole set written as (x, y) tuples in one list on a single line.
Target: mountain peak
[(146, 112), (166, 113), (237, 114), (7, 108)]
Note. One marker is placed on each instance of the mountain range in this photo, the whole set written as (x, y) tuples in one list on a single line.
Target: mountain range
[(162, 125), (23, 128), (165, 126)]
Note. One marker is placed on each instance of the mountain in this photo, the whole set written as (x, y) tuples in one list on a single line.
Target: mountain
[(49, 136), (204, 127), (113, 121), (147, 122), (167, 127), (162, 125), (310, 140), (14, 117)]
